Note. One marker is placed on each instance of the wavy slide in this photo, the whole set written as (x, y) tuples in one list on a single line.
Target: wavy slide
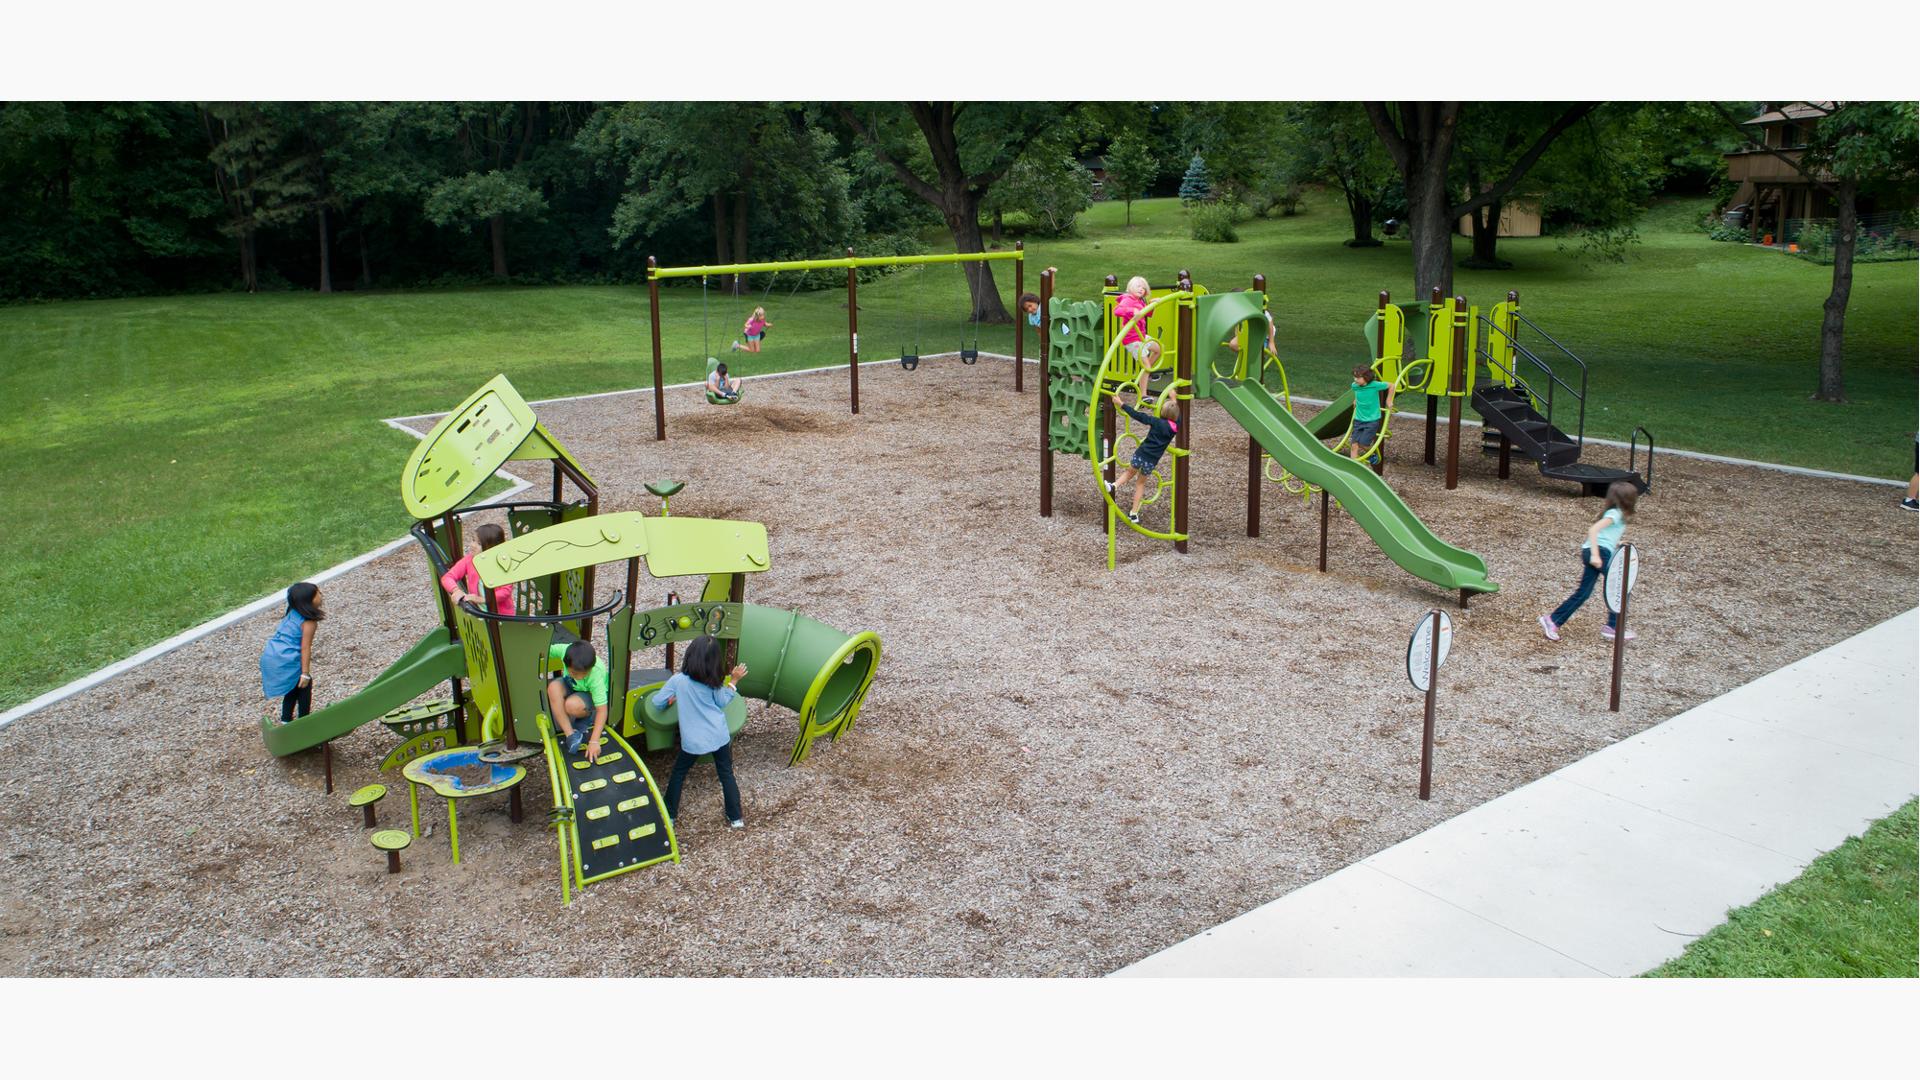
[(1402, 536), (435, 659)]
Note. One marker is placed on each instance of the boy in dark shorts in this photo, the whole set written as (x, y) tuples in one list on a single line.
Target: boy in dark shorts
[(1367, 412), (575, 693), (1160, 432)]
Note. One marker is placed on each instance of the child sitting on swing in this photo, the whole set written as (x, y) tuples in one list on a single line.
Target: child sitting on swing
[(719, 385), (754, 330)]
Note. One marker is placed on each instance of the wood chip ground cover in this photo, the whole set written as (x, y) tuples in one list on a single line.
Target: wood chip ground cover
[(1059, 771)]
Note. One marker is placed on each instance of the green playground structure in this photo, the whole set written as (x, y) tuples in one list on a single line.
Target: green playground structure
[(1213, 348), (607, 813)]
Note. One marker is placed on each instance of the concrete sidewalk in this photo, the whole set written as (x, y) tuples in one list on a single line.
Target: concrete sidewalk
[(1613, 864)]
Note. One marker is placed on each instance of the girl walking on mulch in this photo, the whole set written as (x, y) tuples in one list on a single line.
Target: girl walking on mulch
[(286, 664), (703, 695), (1596, 554)]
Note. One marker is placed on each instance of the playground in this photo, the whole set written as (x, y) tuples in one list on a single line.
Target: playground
[(1057, 769)]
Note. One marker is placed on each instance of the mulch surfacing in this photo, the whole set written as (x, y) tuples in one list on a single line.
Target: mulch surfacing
[(1059, 770)]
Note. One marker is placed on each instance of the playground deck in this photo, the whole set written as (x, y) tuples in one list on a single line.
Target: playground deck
[(1021, 796)]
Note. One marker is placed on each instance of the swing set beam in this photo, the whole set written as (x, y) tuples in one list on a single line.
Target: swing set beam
[(662, 273), (657, 273)]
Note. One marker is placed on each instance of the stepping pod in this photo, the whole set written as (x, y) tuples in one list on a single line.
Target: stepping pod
[(365, 799), (393, 842)]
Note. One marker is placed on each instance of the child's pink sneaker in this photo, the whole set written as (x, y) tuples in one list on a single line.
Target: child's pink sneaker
[(1607, 632), (1547, 628)]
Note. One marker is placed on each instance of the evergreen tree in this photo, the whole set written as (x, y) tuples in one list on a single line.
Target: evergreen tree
[(1194, 186)]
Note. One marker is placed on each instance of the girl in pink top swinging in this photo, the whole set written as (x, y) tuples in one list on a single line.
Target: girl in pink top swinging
[(754, 330)]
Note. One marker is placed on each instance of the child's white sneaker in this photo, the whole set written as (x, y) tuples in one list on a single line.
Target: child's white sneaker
[(1133, 516), (1607, 632), (1547, 628), (737, 823)]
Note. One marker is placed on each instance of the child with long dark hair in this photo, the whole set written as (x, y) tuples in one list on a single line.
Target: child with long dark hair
[(462, 581), (286, 663), (703, 695), (1596, 554)]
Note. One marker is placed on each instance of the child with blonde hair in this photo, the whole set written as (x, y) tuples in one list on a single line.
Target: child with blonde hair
[(1160, 432), (1134, 338), (754, 330)]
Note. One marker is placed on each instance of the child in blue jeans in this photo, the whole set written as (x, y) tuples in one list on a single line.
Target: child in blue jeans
[(703, 696), (1146, 457), (1595, 556)]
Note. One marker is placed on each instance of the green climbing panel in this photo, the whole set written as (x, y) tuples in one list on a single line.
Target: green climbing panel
[(1073, 360)]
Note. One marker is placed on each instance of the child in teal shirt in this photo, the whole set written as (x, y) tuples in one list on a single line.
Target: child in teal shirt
[(1367, 413), (1603, 536)]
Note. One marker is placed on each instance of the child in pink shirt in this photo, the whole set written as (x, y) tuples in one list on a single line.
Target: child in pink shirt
[(462, 581), (1142, 348), (755, 329)]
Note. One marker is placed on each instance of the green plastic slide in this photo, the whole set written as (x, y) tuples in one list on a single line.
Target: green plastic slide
[(1331, 422), (434, 660), (1404, 537)]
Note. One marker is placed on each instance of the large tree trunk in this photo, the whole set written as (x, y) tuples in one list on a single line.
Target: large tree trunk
[(249, 265), (366, 264), (1429, 230), (720, 230), (1486, 239), (998, 224), (962, 214), (1833, 322), (497, 226), (326, 253), (1360, 209)]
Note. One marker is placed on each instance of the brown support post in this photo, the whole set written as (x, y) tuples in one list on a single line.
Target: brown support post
[(506, 693), (1506, 455), (1324, 511), (1183, 438), (736, 594), (1253, 445), (659, 383), (853, 334), (1426, 730), (1620, 624), (1434, 310), (1046, 393), (1456, 382), (1020, 324)]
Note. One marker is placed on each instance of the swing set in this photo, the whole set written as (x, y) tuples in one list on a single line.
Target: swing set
[(909, 352)]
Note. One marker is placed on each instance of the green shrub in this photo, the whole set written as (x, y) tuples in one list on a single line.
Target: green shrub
[(1212, 222)]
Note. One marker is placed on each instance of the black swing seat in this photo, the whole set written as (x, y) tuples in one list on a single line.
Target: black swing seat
[(713, 364), (968, 356), (909, 360)]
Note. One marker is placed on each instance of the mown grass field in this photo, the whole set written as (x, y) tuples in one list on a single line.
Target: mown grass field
[(1849, 915), (171, 458)]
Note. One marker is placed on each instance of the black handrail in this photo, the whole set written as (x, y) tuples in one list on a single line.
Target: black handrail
[(1580, 395), (1633, 454), (619, 597)]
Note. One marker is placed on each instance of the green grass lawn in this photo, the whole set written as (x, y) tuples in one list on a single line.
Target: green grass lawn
[(1851, 914), (171, 458)]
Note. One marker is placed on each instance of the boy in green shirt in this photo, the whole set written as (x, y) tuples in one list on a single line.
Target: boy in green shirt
[(570, 694), (1367, 412)]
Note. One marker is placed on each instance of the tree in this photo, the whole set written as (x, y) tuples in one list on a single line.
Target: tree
[(495, 140), (1194, 185), (1857, 147), (262, 170), (1420, 137), (1333, 141), (1131, 169), (1050, 187), (968, 147), (677, 159)]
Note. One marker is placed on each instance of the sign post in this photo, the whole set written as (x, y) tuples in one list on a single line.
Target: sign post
[(1621, 574), (1427, 649)]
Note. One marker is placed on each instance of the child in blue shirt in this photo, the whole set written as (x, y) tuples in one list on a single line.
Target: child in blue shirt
[(286, 663), (703, 696), (1603, 536)]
